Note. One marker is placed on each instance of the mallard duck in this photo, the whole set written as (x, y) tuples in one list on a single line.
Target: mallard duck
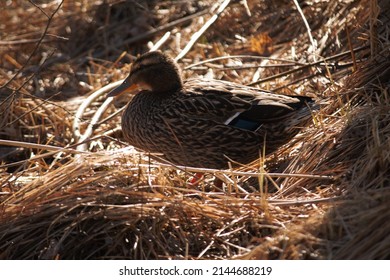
[(204, 123)]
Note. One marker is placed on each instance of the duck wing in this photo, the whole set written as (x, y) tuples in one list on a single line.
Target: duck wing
[(238, 105)]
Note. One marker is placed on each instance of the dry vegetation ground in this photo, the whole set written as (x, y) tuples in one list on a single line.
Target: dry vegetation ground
[(324, 195)]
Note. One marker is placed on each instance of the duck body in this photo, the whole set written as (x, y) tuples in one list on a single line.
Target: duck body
[(208, 123)]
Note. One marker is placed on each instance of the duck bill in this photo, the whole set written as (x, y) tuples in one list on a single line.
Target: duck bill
[(125, 87)]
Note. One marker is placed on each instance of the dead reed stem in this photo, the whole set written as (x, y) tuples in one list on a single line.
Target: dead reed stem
[(323, 195)]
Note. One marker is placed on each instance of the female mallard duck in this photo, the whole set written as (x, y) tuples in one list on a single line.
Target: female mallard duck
[(204, 123)]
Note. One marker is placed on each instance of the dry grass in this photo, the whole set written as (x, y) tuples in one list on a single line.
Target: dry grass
[(324, 195)]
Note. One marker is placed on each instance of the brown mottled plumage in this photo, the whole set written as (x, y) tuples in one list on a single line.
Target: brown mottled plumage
[(204, 123)]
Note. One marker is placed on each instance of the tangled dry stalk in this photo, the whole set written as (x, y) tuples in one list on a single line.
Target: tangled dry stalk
[(324, 195)]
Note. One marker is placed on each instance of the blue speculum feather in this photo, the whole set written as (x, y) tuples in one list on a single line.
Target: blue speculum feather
[(243, 123)]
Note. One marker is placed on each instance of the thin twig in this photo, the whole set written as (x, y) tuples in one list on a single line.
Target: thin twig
[(45, 101), (161, 41), (86, 103), (23, 41), (235, 173), (91, 126), (152, 32), (50, 18), (313, 43), (54, 150), (117, 112), (278, 202), (351, 48), (242, 56), (307, 77), (374, 13), (37, 146), (195, 37), (306, 66), (247, 10), (223, 67)]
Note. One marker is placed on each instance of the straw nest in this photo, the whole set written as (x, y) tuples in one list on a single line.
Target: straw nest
[(71, 189)]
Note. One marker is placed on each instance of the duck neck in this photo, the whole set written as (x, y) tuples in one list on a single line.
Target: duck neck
[(166, 83)]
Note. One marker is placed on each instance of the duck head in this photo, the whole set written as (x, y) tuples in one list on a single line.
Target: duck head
[(154, 72)]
